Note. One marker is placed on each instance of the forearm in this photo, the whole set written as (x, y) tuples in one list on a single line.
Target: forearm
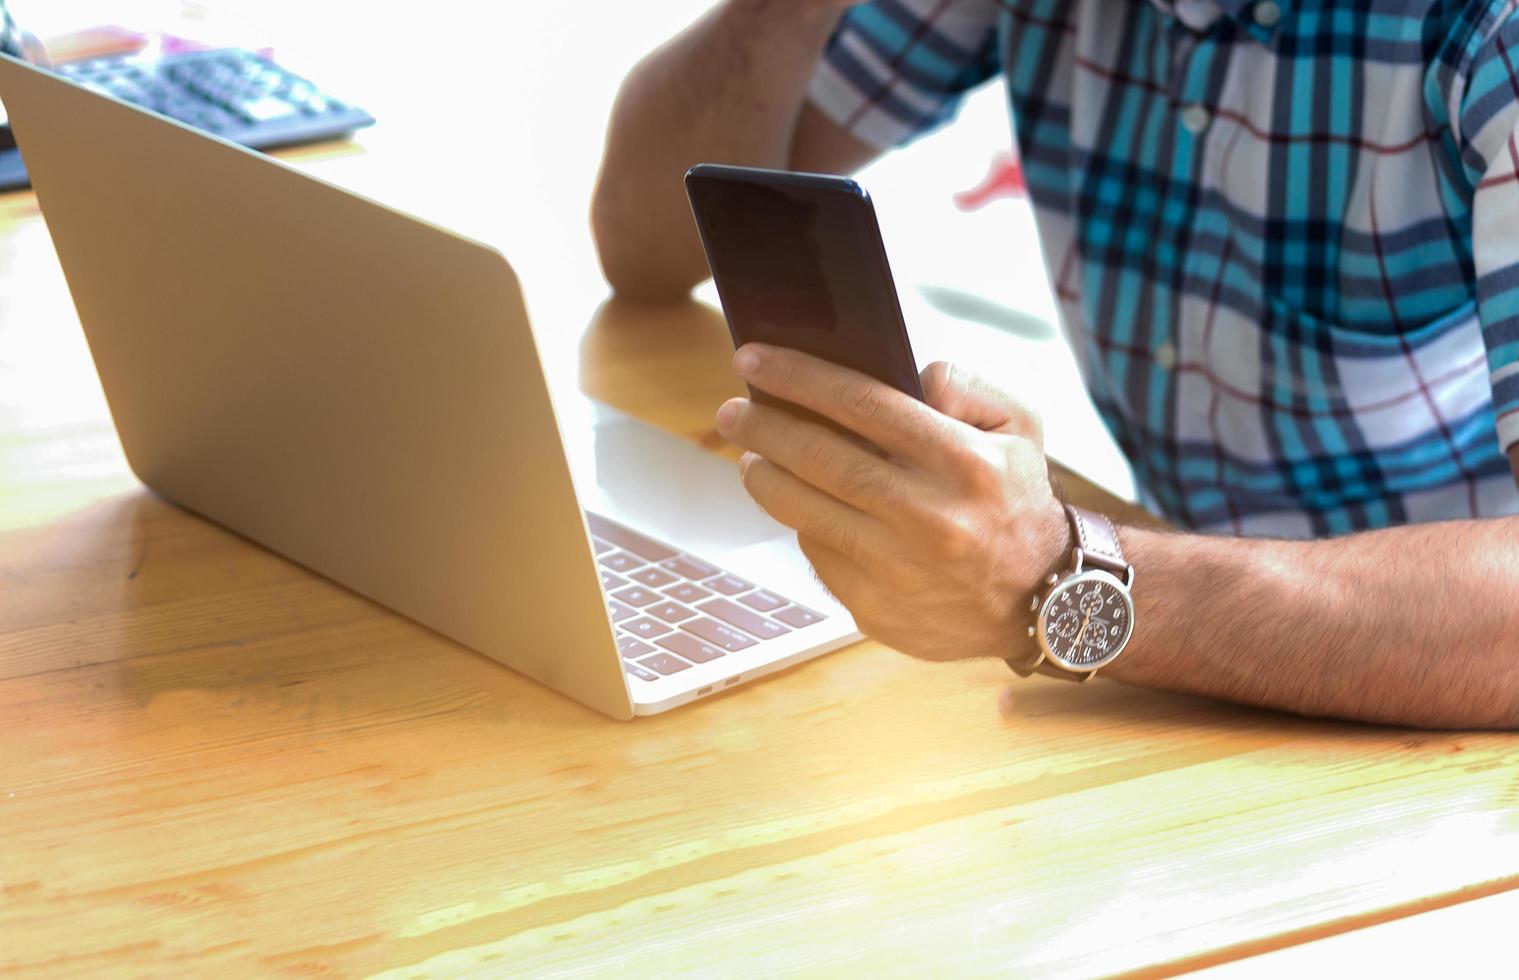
[(1415, 625), (727, 90)]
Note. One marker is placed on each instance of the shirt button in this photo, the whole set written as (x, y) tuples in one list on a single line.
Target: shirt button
[(1165, 356), (1267, 14), (1194, 119)]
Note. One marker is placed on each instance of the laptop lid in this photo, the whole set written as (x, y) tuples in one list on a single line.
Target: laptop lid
[(349, 386)]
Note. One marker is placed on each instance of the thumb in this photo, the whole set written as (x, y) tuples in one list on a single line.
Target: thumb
[(975, 401)]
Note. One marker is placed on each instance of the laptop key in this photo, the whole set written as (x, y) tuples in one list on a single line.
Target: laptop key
[(690, 647), (640, 673), (602, 547), (718, 634), (670, 612), (728, 584), (645, 627), (632, 647), (688, 567), (665, 664), (748, 621), (612, 582), (620, 612), (653, 577), (799, 616), (636, 595), (687, 592), (621, 561), (646, 548), (764, 601)]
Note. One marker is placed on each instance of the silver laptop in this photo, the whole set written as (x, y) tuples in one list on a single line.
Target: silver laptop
[(360, 391)]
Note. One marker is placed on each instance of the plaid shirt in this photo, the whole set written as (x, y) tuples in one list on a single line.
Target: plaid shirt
[(1284, 234)]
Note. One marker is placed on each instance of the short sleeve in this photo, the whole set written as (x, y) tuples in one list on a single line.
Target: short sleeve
[(896, 69), (1489, 125)]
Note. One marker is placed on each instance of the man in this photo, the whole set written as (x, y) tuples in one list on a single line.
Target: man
[(1285, 237)]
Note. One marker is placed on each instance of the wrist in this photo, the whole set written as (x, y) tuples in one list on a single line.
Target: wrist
[(1177, 569), (1083, 614), (1203, 595), (1046, 545)]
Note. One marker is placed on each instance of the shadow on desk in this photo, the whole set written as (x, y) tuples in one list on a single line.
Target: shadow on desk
[(667, 363), (175, 622), (150, 606)]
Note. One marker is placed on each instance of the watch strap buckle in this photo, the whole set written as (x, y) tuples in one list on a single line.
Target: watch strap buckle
[(1079, 558)]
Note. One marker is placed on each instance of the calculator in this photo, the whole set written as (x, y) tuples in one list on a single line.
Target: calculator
[(236, 94)]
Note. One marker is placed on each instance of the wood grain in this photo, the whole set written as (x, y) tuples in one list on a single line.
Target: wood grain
[(214, 763)]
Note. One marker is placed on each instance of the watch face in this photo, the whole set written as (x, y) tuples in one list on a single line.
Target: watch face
[(1086, 621)]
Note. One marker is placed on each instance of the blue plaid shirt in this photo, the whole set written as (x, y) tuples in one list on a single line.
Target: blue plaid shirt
[(1284, 234)]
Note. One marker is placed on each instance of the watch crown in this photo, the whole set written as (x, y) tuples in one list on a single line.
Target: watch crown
[(1033, 605), (1053, 579), (1032, 631)]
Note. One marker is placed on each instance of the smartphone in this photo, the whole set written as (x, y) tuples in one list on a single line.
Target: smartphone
[(798, 262)]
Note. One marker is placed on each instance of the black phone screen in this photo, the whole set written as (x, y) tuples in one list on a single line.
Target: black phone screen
[(798, 262)]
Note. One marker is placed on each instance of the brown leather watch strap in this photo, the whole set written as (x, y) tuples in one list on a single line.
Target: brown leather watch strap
[(1098, 540), (1048, 668)]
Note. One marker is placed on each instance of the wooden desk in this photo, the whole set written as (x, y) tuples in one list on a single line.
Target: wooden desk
[(212, 761)]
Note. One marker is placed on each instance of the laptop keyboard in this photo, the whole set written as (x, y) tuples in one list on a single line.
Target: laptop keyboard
[(671, 610)]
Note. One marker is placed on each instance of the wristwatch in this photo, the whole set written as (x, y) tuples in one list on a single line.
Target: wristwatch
[(1086, 617)]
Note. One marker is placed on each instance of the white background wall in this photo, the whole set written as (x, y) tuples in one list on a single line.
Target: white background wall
[(455, 118)]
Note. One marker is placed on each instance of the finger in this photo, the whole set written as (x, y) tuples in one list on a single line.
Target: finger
[(898, 423), (972, 399), (818, 455), (811, 512)]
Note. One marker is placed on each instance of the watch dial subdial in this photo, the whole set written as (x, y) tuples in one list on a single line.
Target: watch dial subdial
[(1066, 625), (1092, 601)]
